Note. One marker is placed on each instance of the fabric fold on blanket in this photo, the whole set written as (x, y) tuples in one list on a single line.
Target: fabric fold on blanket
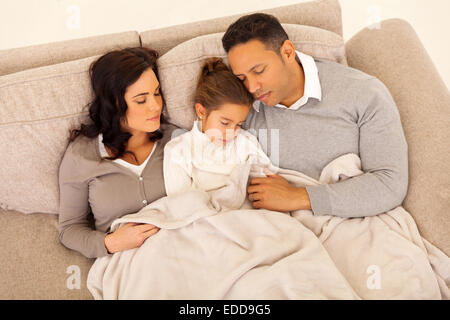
[(214, 245)]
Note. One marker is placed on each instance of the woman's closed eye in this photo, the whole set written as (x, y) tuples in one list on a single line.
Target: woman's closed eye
[(142, 101)]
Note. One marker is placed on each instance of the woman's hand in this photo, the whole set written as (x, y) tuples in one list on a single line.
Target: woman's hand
[(129, 236)]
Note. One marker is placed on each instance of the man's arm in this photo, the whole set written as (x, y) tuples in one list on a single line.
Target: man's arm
[(384, 159)]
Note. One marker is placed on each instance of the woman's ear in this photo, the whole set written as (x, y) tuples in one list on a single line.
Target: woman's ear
[(200, 110)]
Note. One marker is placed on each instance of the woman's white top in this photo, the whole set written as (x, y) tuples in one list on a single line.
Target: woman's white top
[(192, 160), (137, 169)]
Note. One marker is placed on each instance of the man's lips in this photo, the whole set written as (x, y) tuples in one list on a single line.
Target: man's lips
[(264, 96)]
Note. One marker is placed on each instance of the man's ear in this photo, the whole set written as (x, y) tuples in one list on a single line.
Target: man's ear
[(200, 110), (287, 51)]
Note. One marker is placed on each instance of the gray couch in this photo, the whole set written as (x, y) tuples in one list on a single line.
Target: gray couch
[(33, 263)]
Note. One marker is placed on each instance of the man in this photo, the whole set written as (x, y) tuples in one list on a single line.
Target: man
[(320, 110)]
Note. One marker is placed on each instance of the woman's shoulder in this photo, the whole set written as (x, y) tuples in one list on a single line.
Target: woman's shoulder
[(81, 149)]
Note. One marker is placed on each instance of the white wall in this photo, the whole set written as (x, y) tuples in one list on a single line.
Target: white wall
[(27, 22)]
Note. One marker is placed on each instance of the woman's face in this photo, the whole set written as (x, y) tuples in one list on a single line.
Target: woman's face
[(222, 125), (144, 103)]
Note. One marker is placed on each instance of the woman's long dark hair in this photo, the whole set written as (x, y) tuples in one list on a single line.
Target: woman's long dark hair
[(110, 76)]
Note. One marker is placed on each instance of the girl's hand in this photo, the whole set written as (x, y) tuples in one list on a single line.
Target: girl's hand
[(129, 236)]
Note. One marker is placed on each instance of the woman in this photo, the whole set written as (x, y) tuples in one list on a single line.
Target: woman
[(114, 165)]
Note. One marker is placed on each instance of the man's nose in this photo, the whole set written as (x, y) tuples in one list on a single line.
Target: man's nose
[(253, 86)]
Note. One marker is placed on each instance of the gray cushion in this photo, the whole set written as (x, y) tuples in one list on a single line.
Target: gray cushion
[(34, 264), (38, 107)]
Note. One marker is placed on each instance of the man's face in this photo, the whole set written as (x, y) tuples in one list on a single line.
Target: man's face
[(263, 71)]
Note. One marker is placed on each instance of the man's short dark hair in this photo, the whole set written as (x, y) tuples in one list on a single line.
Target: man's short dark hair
[(258, 26)]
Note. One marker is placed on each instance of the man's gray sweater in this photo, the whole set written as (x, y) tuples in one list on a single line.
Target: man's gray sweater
[(357, 114)]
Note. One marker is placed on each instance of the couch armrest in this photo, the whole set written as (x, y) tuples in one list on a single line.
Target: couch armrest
[(394, 54)]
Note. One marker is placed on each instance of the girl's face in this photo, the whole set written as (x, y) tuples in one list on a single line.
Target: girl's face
[(222, 125), (144, 104)]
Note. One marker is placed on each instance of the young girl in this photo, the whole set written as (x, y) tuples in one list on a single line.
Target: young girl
[(204, 157)]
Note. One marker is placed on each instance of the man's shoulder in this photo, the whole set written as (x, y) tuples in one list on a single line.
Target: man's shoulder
[(343, 78), (331, 69)]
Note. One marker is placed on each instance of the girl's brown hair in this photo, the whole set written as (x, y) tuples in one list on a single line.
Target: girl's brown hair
[(217, 85)]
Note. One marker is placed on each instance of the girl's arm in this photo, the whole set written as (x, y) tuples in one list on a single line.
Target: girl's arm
[(257, 157), (177, 168)]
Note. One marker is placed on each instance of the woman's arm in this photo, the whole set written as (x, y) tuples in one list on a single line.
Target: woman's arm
[(75, 231)]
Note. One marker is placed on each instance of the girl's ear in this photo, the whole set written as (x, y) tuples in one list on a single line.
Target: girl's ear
[(200, 110)]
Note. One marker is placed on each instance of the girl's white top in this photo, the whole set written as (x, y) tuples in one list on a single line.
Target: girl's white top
[(192, 160)]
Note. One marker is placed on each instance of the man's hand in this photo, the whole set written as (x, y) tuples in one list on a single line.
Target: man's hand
[(275, 193)]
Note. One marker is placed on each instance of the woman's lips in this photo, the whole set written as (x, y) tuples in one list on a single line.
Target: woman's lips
[(154, 118)]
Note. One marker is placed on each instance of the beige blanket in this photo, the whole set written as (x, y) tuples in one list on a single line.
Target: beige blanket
[(216, 246)]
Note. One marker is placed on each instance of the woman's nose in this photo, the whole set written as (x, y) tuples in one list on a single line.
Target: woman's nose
[(154, 103)]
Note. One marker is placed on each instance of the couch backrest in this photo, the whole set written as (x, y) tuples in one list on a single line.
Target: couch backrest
[(324, 14), (19, 59)]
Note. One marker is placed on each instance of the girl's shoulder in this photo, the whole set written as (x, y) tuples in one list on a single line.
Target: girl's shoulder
[(170, 132), (177, 139)]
